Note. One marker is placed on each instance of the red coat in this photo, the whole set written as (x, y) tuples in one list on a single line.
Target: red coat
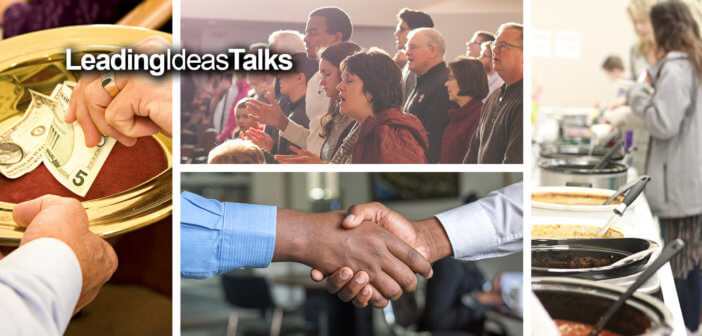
[(391, 136), (463, 123)]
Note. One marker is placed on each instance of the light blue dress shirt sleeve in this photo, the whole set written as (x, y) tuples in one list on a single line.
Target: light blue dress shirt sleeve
[(40, 283), (216, 237), (489, 227)]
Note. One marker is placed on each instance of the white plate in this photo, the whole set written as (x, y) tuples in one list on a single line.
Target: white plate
[(576, 190), (600, 213)]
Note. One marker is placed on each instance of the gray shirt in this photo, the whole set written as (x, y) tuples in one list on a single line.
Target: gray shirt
[(673, 116)]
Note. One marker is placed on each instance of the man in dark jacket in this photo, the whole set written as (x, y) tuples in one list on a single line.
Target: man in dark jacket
[(499, 137), (408, 20), (429, 100)]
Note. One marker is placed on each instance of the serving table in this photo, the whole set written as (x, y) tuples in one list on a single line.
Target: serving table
[(641, 223)]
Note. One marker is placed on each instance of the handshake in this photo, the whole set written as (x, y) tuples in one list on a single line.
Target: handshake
[(369, 254)]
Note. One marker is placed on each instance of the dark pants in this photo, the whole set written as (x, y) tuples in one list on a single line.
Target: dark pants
[(689, 291), (690, 297), (444, 309)]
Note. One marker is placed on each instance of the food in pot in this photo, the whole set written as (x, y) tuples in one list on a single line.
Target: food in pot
[(573, 258), (561, 231), (573, 198), (570, 328)]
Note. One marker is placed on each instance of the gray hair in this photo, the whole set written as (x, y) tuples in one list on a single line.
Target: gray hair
[(286, 41), (431, 37), (512, 25)]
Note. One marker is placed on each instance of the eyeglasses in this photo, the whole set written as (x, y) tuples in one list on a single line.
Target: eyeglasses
[(501, 45)]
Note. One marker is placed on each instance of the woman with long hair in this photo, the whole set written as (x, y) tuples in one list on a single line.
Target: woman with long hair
[(642, 53), (673, 117), (335, 126)]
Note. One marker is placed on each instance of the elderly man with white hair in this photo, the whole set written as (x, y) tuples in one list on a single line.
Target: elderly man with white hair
[(429, 100), (499, 136), (286, 41)]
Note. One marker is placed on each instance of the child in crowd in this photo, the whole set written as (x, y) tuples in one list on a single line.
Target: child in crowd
[(236, 151), (243, 120)]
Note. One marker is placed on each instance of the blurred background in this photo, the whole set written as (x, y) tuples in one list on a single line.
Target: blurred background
[(568, 48), (476, 298), (215, 25)]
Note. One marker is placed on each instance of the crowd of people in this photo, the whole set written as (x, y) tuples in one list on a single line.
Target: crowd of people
[(345, 103)]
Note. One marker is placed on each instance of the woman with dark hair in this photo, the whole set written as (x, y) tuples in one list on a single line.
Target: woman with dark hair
[(335, 126), (370, 92), (673, 117), (467, 86)]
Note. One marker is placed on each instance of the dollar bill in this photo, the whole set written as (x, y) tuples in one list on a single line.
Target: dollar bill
[(66, 156), (10, 93), (22, 144)]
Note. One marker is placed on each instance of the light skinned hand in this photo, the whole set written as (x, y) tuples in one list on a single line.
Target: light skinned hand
[(66, 220), (269, 114), (302, 156), (426, 236), (259, 138), (141, 108)]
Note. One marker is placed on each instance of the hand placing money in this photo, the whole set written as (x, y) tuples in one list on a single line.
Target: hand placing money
[(42, 136), (66, 155), (141, 108)]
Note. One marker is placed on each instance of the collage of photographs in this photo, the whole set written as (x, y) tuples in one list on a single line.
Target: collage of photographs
[(360, 168)]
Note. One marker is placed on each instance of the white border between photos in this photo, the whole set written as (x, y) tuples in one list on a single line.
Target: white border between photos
[(526, 175), (524, 168), (175, 137)]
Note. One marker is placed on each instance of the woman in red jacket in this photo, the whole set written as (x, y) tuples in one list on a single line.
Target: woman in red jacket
[(371, 93), (467, 86)]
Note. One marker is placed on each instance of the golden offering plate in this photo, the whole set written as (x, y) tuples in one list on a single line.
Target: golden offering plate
[(37, 61)]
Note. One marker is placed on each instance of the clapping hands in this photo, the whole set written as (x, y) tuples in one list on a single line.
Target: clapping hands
[(269, 114)]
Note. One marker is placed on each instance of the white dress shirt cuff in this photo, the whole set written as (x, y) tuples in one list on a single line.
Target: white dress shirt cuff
[(45, 275), (489, 227), (471, 243)]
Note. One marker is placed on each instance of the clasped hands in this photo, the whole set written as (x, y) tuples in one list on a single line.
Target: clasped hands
[(379, 250)]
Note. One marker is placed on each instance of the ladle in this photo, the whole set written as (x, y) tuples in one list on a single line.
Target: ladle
[(605, 159), (668, 253)]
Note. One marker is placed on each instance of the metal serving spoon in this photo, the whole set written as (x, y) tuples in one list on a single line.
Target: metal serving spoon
[(635, 191), (626, 187)]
